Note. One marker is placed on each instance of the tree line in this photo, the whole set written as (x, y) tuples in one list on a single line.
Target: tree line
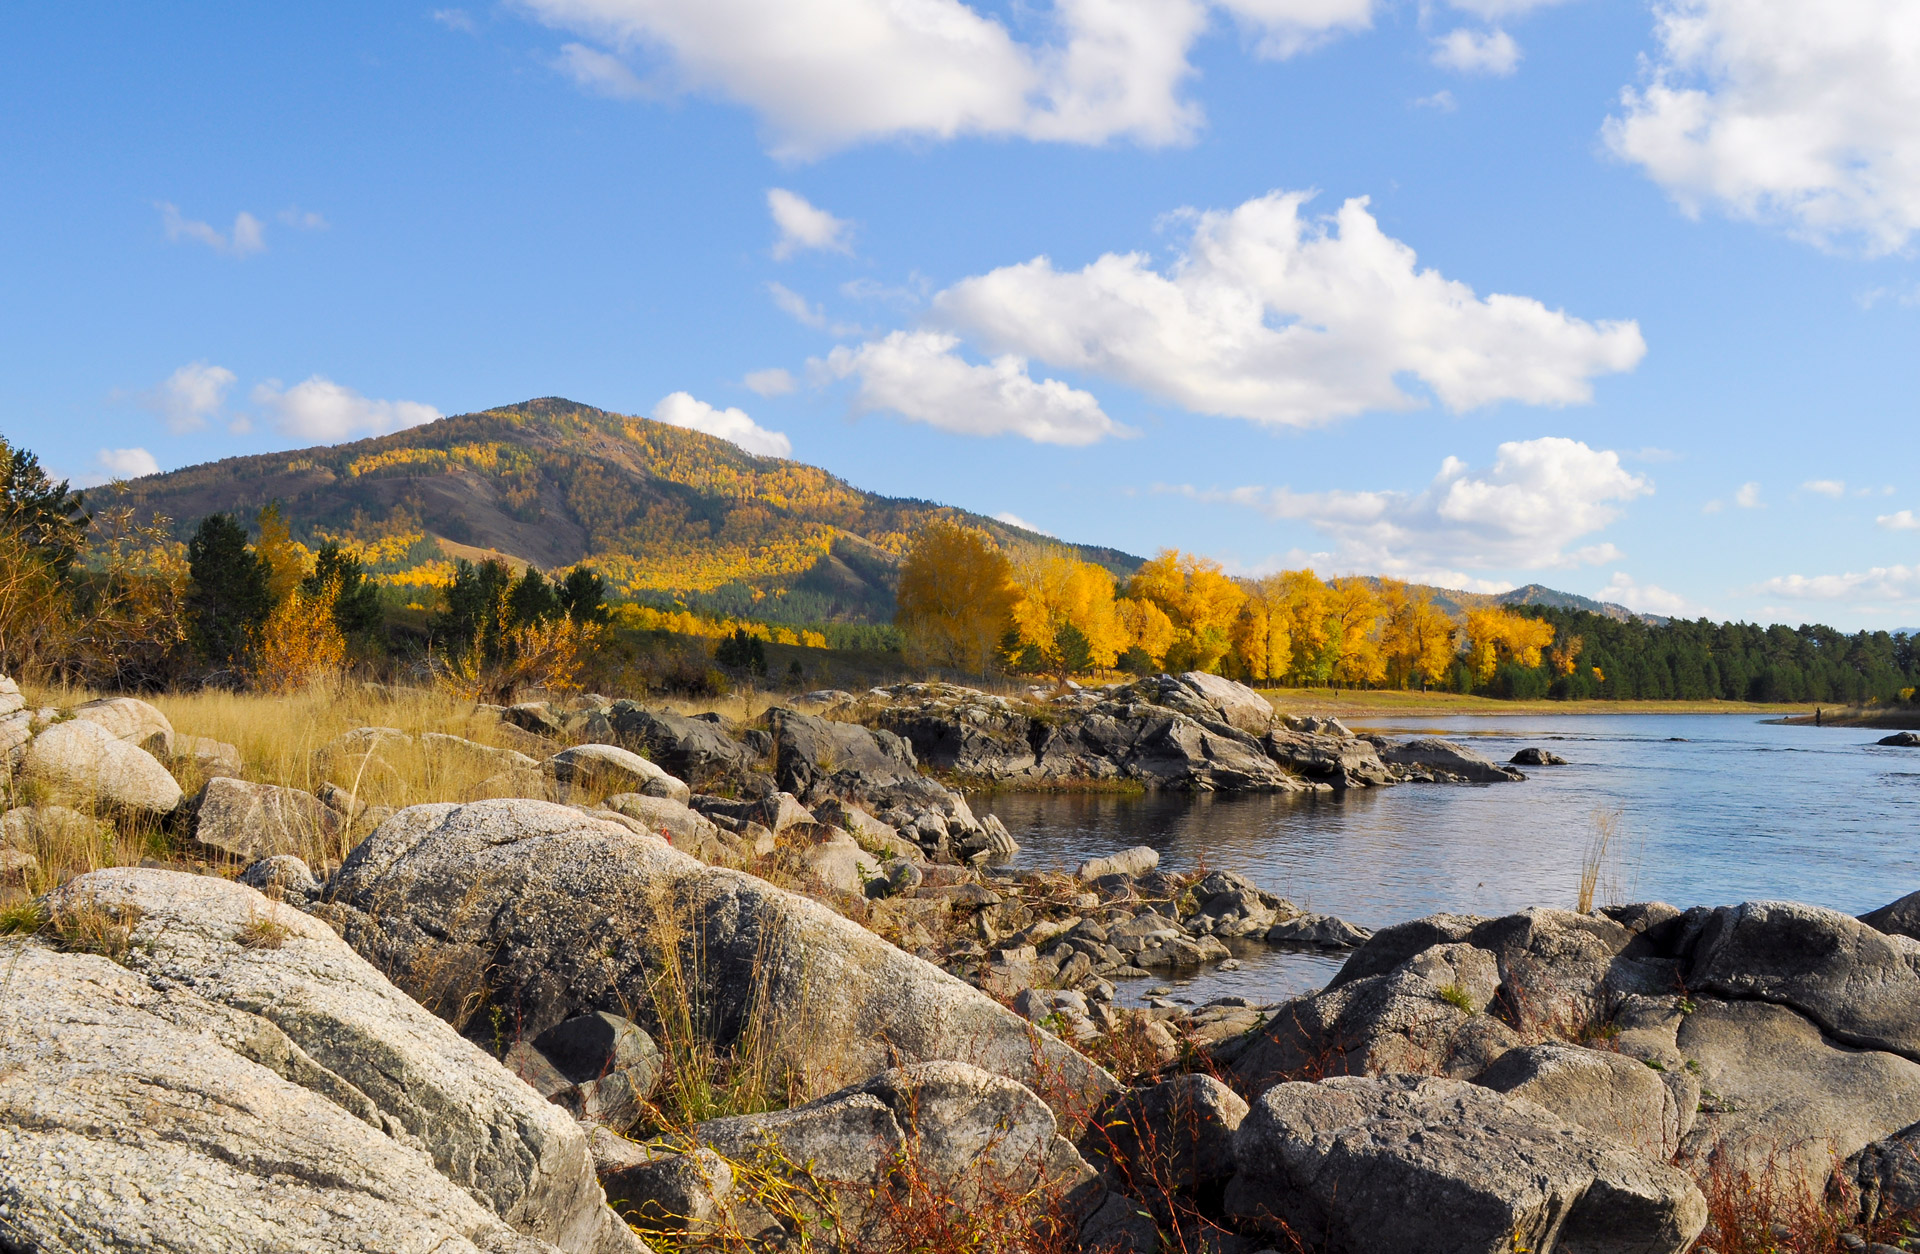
[(966, 604)]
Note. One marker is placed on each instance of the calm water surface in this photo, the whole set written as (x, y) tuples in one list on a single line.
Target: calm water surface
[(1712, 809)]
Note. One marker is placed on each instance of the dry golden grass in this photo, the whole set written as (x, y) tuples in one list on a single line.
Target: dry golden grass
[(280, 739)]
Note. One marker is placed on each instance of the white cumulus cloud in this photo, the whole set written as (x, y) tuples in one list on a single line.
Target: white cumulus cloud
[(320, 409), (772, 382), (126, 463), (1274, 317), (1477, 52), (918, 375), (246, 238), (1648, 598), (190, 396), (803, 226), (1801, 114), (823, 74), (1881, 583), (1900, 520), (1525, 512), (680, 409)]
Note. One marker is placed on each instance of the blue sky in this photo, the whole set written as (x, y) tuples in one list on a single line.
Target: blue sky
[(1617, 298)]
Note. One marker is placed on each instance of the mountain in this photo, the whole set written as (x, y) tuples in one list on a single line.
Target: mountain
[(1535, 594), (662, 512)]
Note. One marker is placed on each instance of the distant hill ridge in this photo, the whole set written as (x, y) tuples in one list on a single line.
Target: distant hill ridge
[(660, 510), (666, 514)]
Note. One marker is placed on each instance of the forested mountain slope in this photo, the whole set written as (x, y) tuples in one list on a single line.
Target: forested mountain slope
[(659, 510)]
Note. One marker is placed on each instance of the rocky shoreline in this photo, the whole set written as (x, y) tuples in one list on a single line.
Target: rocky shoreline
[(662, 1006)]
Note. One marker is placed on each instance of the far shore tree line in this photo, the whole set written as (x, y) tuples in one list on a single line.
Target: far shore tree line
[(967, 605), (94, 595)]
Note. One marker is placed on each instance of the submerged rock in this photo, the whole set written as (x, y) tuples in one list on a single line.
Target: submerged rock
[(1537, 757)]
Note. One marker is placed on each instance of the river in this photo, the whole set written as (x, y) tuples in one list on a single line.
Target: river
[(1709, 809)]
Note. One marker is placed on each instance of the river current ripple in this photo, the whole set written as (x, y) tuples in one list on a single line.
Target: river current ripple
[(1712, 809)]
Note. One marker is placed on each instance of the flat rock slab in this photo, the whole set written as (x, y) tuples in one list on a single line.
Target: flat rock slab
[(1415, 1165), (242, 1080)]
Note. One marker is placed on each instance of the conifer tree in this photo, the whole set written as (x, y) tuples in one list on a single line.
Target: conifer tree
[(228, 598)]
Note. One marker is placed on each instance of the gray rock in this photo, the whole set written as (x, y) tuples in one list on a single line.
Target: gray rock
[(1533, 756), (31, 827), (216, 1092), (210, 757), (1897, 918), (283, 877), (236, 819), (1857, 982), (687, 830), (1237, 705), (613, 769), (81, 758), (1131, 862), (474, 754), (533, 716), (1428, 1015), (131, 720), (1436, 1166), (683, 1193), (1609, 1094), (693, 749), (1342, 761), (1323, 931), (1443, 760), (553, 913), (11, 702), (1780, 1100), (16, 733), (966, 1134), (1391, 946), (1120, 1226), (1886, 1175), (1175, 1135), (16, 866)]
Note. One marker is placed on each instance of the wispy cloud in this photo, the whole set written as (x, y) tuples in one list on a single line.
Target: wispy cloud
[(246, 238), (773, 382), (1748, 496), (599, 72), (1834, 488), (1477, 52), (803, 226), (1899, 520), (455, 19)]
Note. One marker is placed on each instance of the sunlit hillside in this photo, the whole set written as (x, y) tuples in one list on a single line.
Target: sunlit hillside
[(659, 510)]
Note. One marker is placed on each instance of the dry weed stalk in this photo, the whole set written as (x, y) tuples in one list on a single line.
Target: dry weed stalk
[(1600, 847)]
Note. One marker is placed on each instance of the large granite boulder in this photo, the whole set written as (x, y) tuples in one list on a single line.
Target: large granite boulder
[(1175, 1135), (1234, 704), (131, 720), (545, 912), (84, 759), (1780, 1100), (699, 750), (956, 1135), (1897, 918), (609, 768), (1432, 1166), (1615, 1096), (1428, 1015), (1859, 984), (236, 819), (235, 1077)]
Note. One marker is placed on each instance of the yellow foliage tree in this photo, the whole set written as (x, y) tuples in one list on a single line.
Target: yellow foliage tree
[(1059, 598), (1354, 612), (1417, 636), (300, 645), (286, 560), (956, 596), (1147, 626), (1198, 599), (1499, 635)]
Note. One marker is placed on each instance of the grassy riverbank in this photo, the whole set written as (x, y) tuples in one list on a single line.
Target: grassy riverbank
[(1899, 718), (1386, 704)]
